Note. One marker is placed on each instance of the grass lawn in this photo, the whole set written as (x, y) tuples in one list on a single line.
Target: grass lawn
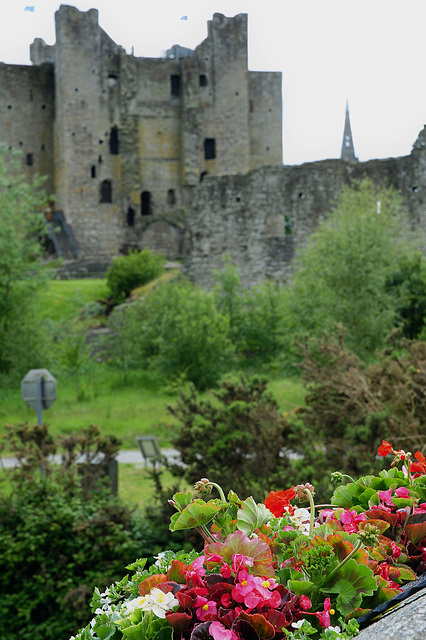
[(65, 299)]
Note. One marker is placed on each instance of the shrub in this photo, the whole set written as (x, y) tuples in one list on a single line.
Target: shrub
[(130, 271), (238, 439), (62, 533), (177, 331)]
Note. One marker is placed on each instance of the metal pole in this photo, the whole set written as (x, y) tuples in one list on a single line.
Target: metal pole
[(39, 395)]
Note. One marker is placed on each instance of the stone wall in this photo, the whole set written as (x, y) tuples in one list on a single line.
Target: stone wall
[(263, 217)]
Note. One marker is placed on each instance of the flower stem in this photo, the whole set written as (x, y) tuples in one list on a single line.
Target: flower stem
[(344, 561), (312, 514), (220, 490)]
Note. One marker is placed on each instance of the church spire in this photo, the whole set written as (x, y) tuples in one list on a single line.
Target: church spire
[(348, 151)]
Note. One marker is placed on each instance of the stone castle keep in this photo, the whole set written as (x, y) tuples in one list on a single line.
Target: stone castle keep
[(182, 154)]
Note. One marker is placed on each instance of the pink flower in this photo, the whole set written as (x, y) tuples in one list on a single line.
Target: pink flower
[(386, 497), (205, 608), (351, 519), (305, 603), (219, 632), (402, 492), (239, 561), (324, 616), (395, 550)]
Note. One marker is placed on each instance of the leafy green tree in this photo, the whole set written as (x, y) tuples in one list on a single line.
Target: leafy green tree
[(408, 284), (21, 271), (133, 270), (177, 331), (255, 315), (343, 272)]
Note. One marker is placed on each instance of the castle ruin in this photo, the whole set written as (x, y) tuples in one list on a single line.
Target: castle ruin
[(181, 154)]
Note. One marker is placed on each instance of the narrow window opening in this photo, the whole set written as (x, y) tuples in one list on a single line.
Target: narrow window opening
[(130, 217), (100, 159), (203, 175), (146, 205), (251, 107), (93, 171), (302, 195), (288, 226), (175, 85), (43, 106), (106, 191), (171, 196), (9, 106), (43, 147), (113, 141), (209, 148), (30, 159), (203, 80), (415, 189)]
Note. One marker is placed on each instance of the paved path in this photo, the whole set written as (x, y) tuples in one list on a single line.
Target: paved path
[(133, 456)]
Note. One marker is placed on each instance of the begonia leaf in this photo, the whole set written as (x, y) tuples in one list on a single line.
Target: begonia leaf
[(165, 633), (252, 515), (263, 628), (416, 532), (196, 514), (201, 632), (176, 573), (254, 548), (178, 621)]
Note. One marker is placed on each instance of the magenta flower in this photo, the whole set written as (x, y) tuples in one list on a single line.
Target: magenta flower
[(386, 497), (239, 561), (324, 616), (219, 632), (205, 608), (402, 492), (351, 519)]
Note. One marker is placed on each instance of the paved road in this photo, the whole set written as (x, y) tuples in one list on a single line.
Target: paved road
[(128, 457)]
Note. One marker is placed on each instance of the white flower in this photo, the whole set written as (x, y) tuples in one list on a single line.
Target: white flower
[(301, 519), (335, 629), (156, 601), (297, 624)]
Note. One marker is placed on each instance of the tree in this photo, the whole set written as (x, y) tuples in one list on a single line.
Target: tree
[(21, 272), (343, 272)]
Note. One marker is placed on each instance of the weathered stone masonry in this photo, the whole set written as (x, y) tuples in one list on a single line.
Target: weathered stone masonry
[(125, 140), (181, 154)]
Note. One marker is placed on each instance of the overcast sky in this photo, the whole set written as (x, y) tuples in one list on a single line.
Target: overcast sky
[(371, 52)]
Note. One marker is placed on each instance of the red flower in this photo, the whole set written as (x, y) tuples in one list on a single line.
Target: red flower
[(279, 501), (420, 466), (324, 616), (385, 448)]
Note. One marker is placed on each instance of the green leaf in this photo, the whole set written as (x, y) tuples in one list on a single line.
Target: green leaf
[(354, 582), (251, 516), (301, 587), (182, 499), (196, 514)]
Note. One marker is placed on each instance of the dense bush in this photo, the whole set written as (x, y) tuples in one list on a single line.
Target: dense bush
[(177, 331), (61, 534), (238, 439), (133, 270), (352, 406), (255, 315)]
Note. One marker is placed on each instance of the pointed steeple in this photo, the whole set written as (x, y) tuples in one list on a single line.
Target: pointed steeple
[(348, 151)]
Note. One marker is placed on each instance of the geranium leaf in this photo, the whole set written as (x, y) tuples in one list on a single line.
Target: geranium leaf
[(238, 542), (354, 581), (251, 516), (196, 514), (182, 499), (301, 587)]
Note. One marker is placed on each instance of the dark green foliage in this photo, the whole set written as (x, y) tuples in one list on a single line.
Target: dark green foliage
[(237, 440), (176, 331), (133, 270), (61, 534), (407, 283)]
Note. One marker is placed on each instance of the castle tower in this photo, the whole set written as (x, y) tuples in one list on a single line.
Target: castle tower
[(348, 151)]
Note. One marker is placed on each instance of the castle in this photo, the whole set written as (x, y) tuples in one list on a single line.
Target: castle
[(182, 154)]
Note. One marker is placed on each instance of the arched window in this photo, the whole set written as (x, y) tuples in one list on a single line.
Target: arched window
[(146, 205), (209, 148), (106, 191), (171, 196), (113, 141), (131, 217)]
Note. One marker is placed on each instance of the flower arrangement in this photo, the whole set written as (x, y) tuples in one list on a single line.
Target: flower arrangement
[(277, 570)]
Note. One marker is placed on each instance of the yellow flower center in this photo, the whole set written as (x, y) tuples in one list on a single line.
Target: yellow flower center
[(332, 612), (244, 583), (266, 584), (205, 607)]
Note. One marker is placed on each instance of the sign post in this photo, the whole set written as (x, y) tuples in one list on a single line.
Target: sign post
[(38, 389)]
